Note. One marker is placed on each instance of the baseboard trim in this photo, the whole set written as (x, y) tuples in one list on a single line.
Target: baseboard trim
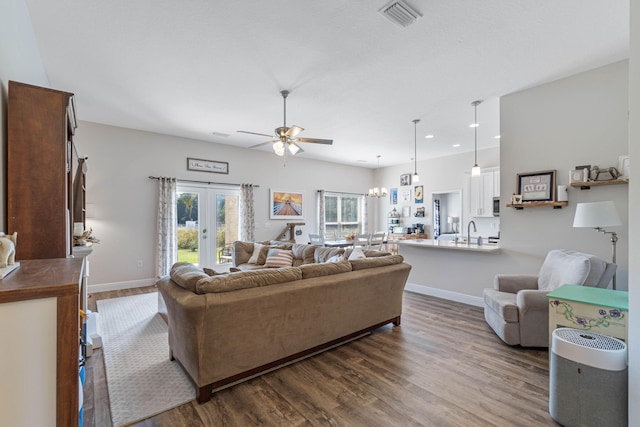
[(104, 287), (444, 294)]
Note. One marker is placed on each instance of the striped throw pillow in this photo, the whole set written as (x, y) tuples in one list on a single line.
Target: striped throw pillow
[(279, 258)]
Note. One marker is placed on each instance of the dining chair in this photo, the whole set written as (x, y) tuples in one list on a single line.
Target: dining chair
[(362, 240), (316, 239), (378, 240)]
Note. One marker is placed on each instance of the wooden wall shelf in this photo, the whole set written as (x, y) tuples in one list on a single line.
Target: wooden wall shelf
[(587, 185), (555, 205)]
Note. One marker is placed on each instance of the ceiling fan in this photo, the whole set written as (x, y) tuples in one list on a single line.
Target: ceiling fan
[(285, 137)]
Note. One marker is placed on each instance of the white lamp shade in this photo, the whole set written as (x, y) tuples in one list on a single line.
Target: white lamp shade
[(416, 177), (475, 170), (596, 214)]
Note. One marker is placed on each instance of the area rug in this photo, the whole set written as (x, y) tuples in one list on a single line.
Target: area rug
[(141, 379)]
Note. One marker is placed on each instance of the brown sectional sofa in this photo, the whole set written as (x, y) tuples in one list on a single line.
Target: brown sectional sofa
[(228, 327)]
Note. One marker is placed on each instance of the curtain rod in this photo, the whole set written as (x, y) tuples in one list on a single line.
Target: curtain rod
[(205, 182), (343, 192)]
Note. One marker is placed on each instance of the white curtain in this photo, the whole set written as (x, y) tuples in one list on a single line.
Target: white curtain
[(365, 215), (321, 219), (247, 221), (167, 212)]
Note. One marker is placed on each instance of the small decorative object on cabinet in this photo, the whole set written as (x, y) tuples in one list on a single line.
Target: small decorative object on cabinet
[(8, 253)]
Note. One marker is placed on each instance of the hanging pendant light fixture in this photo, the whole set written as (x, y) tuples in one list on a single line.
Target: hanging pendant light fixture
[(416, 177), (475, 170), (375, 191)]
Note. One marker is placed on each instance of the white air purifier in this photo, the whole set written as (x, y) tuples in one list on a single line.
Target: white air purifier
[(588, 379)]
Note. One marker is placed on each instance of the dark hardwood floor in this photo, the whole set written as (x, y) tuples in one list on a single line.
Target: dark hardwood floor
[(442, 367)]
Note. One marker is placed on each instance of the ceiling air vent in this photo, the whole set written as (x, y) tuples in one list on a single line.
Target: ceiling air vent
[(400, 13)]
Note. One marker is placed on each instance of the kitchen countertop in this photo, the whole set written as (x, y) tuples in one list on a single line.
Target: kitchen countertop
[(450, 245)]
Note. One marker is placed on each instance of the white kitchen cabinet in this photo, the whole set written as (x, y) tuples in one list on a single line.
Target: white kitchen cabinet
[(481, 191)]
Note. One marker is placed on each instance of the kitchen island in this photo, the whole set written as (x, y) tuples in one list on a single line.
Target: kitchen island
[(451, 245), (457, 272)]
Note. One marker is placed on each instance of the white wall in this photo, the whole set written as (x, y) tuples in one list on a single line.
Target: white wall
[(20, 61), (574, 121), (122, 199), (634, 212)]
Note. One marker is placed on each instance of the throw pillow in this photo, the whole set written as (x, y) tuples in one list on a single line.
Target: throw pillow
[(357, 253), (279, 258), (336, 258), (257, 247)]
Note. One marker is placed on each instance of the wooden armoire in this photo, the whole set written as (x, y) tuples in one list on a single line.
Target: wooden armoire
[(40, 127)]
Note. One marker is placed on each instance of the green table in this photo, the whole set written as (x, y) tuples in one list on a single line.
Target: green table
[(603, 311)]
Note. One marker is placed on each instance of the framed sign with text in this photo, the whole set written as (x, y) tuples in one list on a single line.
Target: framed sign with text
[(207, 165)]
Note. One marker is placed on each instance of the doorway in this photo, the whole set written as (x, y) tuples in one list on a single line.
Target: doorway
[(208, 223)]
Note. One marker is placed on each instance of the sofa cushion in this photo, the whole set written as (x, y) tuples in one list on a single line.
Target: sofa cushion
[(361, 264), (321, 255), (303, 254), (356, 253), (327, 269), (369, 253), (247, 279), (279, 258), (337, 258), (186, 275)]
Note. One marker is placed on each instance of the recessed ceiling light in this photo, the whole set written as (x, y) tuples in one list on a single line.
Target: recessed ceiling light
[(361, 161), (497, 137), (429, 136), (456, 145), (220, 134), (474, 125)]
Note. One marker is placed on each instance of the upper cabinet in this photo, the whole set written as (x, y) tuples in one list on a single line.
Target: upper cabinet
[(40, 128), (481, 192)]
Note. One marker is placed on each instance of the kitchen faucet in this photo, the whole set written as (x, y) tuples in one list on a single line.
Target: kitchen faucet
[(475, 230)]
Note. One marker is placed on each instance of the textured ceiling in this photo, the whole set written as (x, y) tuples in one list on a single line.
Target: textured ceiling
[(192, 68)]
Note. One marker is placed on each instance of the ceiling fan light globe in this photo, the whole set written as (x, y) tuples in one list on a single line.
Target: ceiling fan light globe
[(278, 148)]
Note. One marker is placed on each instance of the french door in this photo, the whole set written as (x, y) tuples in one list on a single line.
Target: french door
[(208, 222)]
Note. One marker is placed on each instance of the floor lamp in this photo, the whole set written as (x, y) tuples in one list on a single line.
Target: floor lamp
[(598, 215)]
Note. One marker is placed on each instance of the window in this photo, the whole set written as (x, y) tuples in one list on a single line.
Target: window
[(343, 214)]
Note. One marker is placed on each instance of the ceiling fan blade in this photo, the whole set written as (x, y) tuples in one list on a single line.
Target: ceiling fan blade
[(293, 131), (255, 133), (316, 140), (264, 143), (294, 148)]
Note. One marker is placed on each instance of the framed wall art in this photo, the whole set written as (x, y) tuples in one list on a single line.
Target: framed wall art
[(419, 194), (207, 165), (537, 186), (393, 196), (286, 204), (405, 179)]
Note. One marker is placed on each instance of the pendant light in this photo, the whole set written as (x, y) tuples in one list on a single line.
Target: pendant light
[(416, 177), (375, 191), (475, 170)]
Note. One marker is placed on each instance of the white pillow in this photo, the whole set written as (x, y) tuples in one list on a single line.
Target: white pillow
[(257, 247), (336, 258), (357, 254)]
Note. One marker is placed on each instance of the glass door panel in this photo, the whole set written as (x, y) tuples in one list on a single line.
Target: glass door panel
[(227, 224)]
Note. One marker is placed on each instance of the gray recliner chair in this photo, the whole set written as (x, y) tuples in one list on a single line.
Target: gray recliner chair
[(517, 308)]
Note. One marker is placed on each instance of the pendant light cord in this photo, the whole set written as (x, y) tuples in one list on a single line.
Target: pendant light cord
[(415, 146), (475, 132)]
